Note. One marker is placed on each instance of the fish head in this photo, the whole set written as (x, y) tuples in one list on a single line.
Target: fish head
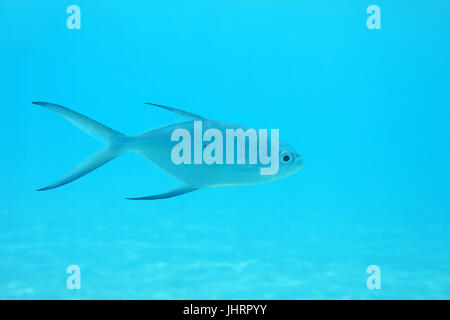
[(290, 161)]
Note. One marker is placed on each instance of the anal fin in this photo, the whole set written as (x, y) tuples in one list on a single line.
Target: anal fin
[(172, 193)]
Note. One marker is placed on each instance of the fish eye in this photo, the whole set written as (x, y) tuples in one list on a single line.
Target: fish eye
[(286, 157)]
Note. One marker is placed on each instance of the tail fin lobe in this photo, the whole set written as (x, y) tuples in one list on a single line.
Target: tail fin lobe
[(116, 143), (91, 163), (92, 127)]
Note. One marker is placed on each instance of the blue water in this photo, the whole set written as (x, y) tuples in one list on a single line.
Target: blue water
[(369, 110)]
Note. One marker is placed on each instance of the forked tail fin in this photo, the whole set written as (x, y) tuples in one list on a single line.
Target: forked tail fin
[(114, 139)]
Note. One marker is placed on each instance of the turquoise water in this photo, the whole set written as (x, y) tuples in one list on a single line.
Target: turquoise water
[(368, 109)]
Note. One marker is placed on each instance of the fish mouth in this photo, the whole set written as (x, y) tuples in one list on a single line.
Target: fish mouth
[(299, 160)]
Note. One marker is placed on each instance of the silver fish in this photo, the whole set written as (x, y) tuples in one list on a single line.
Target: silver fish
[(156, 145)]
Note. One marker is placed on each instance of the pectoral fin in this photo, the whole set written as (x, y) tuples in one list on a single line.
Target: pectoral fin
[(172, 193)]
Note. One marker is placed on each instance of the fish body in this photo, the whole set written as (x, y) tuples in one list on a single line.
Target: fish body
[(157, 146)]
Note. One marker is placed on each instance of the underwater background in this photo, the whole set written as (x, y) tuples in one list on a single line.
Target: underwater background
[(369, 110)]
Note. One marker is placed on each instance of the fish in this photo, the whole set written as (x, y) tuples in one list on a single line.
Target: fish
[(157, 146)]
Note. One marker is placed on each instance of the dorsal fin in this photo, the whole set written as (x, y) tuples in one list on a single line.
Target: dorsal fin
[(178, 111)]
